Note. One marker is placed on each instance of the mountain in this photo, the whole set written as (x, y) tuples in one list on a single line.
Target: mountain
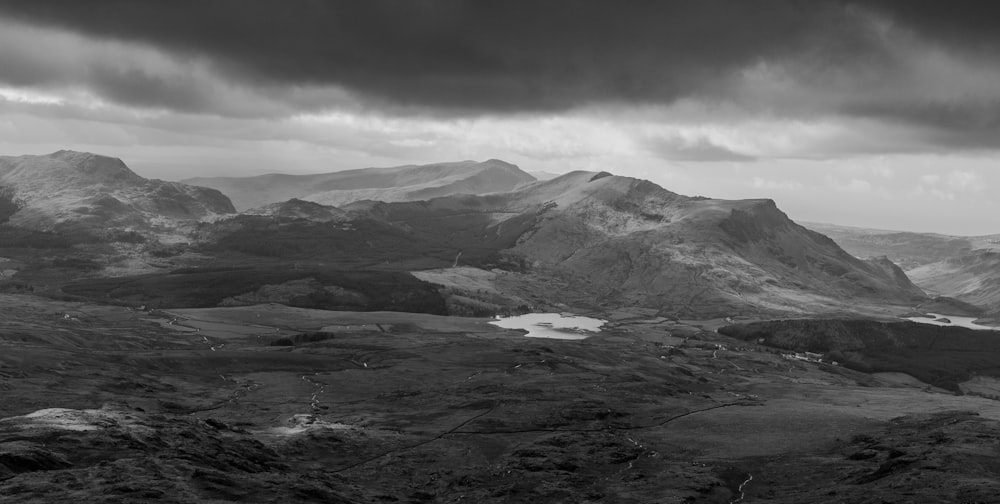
[(966, 268), (401, 183), (972, 278), (640, 243), (88, 191), (585, 239), (908, 249), (599, 240)]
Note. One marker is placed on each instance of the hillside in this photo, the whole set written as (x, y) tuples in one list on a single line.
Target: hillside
[(966, 268), (88, 191), (583, 239), (907, 249), (401, 183), (972, 278), (639, 243), (597, 240), (299, 209)]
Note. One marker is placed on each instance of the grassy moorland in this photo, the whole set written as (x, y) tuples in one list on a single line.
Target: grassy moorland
[(100, 404), (331, 289), (401, 236)]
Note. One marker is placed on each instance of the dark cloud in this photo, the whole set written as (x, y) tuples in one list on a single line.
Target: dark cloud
[(473, 55), (272, 58), (971, 24)]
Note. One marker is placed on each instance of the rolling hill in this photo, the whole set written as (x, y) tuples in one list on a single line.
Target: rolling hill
[(87, 191), (907, 249), (610, 241), (973, 278), (966, 268), (584, 239), (401, 183)]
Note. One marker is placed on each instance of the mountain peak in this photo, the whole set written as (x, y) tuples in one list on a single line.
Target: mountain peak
[(96, 167), (495, 161)]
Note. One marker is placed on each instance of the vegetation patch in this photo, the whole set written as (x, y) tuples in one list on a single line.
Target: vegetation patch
[(196, 288), (941, 356)]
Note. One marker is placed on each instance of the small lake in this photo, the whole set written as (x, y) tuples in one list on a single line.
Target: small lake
[(552, 325), (956, 321)]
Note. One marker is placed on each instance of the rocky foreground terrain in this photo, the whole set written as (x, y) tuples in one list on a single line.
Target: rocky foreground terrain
[(269, 403)]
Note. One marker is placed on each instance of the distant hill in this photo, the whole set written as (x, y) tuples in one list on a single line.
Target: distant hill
[(966, 268), (583, 239), (402, 183), (84, 190), (908, 249), (973, 278), (299, 209), (610, 241)]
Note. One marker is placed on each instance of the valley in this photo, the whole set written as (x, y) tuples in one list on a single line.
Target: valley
[(963, 271), (499, 252), (353, 353)]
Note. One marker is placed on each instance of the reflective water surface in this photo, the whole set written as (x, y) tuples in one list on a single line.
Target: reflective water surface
[(952, 320), (552, 325)]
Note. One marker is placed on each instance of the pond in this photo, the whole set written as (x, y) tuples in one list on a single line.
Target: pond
[(552, 325)]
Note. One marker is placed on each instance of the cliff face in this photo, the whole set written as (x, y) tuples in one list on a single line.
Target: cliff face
[(77, 188)]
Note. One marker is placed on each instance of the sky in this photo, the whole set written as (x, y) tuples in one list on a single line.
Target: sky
[(872, 113)]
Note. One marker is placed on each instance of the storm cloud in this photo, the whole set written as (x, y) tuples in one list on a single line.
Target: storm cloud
[(730, 98), (467, 58)]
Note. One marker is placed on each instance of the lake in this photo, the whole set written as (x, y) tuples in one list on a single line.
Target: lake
[(956, 321), (552, 325)]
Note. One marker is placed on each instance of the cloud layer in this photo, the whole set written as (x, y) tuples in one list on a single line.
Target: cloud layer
[(719, 97), (462, 57)]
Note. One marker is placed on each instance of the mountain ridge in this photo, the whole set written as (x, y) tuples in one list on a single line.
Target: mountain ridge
[(398, 183), (620, 240)]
